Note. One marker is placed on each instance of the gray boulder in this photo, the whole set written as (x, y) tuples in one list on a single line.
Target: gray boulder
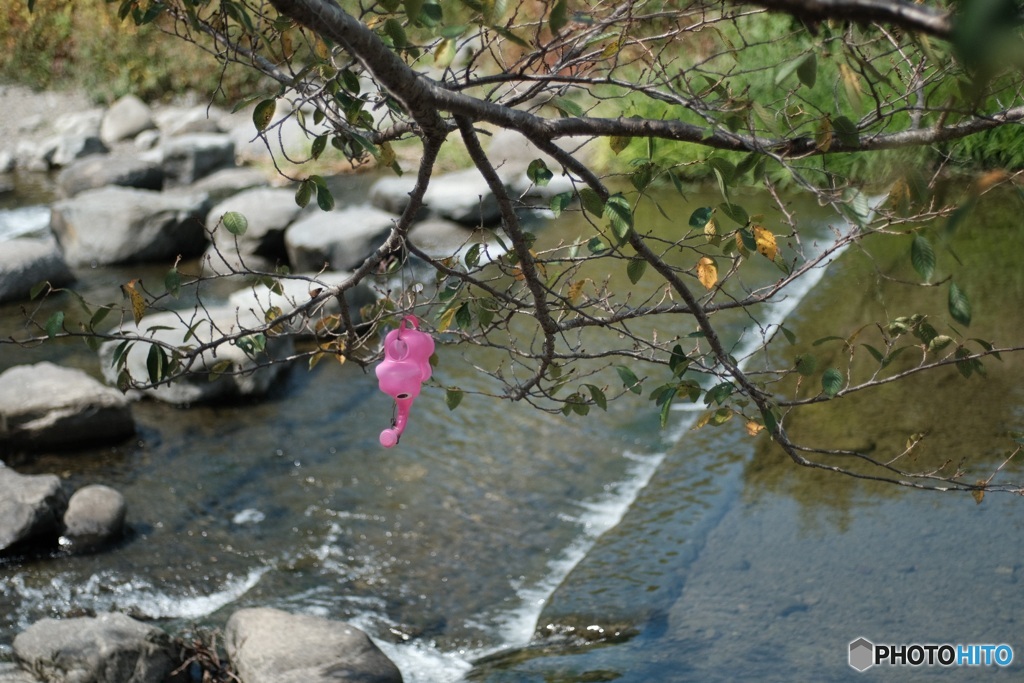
[(255, 301), (441, 238), (462, 196), (31, 505), (125, 119), (187, 158), (182, 120), (272, 646), (340, 239), (110, 648), (12, 673), (268, 212), (85, 122), (99, 171), (57, 151), (235, 372), (25, 262), (229, 181), (95, 516), (49, 406), (114, 225)]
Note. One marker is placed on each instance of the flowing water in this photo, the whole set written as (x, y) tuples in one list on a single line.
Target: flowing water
[(710, 556)]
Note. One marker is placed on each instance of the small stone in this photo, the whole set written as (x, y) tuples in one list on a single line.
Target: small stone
[(95, 516)]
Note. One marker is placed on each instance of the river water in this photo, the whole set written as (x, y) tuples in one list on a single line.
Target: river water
[(711, 557)]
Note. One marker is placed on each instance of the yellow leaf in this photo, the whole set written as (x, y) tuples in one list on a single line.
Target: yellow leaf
[(823, 138), (137, 300), (707, 272), (387, 154), (321, 49), (446, 319), (987, 181), (765, 242), (710, 230), (576, 291), (851, 84), (753, 428), (979, 494), (702, 421)]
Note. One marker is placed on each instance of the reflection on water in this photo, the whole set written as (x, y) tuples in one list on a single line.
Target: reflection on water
[(730, 562)]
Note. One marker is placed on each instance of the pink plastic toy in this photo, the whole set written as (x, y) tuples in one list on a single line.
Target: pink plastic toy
[(406, 366)]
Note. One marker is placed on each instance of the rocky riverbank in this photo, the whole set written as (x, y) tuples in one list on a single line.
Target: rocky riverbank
[(140, 185)]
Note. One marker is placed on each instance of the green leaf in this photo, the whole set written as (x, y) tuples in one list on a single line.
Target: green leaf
[(617, 209), (539, 173), (38, 288), (619, 142), (54, 324), (737, 213), (787, 69), (678, 361), (666, 406), (464, 316), (324, 198), (831, 382), (472, 257), (629, 379), (596, 245), (156, 363), (566, 107), (560, 202), (635, 269), (263, 114), (807, 70), (846, 130), (790, 337), (959, 305), (453, 397), (806, 364), (318, 146), (700, 217), (922, 256), (413, 9), (597, 396), (99, 315), (591, 202), (558, 17), (393, 28), (719, 393), (875, 353), (172, 282), (235, 223), (303, 193)]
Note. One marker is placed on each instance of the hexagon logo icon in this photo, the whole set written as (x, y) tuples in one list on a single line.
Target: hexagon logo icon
[(862, 654)]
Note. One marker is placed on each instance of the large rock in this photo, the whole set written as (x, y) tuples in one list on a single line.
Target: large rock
[(182, 120), (57, 151), (235, 373), (462, 196), (187, 158), (31, 506), (110, 648), (229, 181), (271, 646), (99, 171), (257, 300), (113, 225), (49, 406), (25, 262), (268, 211), (340, 239), (95, 516), (12, 673), (125, 119)]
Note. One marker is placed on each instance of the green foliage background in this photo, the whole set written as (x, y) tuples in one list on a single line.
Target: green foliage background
[(83, 44)]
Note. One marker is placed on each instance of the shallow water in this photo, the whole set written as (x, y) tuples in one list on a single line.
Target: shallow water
[(715, 559)]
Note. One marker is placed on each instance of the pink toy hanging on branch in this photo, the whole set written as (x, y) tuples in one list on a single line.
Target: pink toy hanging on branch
[(406, 366)]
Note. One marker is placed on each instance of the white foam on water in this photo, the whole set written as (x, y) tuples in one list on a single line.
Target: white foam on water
[(109, 592), (24, 220)]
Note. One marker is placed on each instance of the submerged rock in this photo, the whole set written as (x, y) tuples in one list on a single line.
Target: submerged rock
[(114, 225), (31, 506), (25, 262), (95, 516), (271, 646), (230, 373), (110, 648), (49, 406)]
